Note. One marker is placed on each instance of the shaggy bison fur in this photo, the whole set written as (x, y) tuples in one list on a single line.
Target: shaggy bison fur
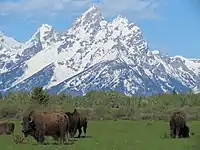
[(178, 127)]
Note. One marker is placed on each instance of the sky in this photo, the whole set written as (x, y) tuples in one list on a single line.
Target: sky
[(170, 26)]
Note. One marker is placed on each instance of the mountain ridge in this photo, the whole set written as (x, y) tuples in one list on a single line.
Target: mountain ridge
[(67, 61)]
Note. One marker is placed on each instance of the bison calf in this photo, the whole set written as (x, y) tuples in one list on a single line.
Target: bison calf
[(7, 128)]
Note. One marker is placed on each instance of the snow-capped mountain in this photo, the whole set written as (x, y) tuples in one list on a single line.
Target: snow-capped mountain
[(94, 54)]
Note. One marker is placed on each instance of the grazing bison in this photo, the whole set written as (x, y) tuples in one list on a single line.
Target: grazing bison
[(40, 124), (77, 121), (7, 128), (178, 125)]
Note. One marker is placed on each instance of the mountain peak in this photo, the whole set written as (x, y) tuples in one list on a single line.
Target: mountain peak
[(93, 13), (43, 31), (44, 28), (90, 18), (92, 9)]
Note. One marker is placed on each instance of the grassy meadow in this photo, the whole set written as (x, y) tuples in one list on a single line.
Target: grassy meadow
[(114, 135), (116, 121)]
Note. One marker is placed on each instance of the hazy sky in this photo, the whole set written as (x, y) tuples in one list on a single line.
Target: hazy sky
[(170, 26)]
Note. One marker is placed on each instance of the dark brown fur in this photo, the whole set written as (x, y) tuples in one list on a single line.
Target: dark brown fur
[(178, 125), (40, 124), (77, 121), (7, 128)]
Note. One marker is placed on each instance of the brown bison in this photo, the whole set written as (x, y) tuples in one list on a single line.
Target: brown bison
[(7, 128), (178, 125), (77, 121), (40, 124)]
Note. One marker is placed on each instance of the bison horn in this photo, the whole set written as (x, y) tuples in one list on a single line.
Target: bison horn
[(31, 120)]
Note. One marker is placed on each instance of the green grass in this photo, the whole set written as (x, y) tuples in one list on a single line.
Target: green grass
[(115, 135)]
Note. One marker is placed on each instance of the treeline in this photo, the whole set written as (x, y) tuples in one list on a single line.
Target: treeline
[(101, 105)]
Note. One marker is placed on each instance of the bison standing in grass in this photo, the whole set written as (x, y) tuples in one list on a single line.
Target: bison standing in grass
[(77, 121), (7, 128), (41, 124), (178, 125)]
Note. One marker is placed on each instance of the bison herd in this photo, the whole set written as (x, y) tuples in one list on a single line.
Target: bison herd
[(62, 126), (59, 125)]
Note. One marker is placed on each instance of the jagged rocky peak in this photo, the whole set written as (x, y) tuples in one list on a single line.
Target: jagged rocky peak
[(44, 34), (44, 28), (92, 14), (89, 20)]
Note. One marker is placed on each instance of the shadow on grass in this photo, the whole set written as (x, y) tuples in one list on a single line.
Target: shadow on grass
[(52, 143), (84, 137), (47, 143)]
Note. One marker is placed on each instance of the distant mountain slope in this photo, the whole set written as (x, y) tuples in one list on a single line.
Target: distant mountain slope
[(94, 55)]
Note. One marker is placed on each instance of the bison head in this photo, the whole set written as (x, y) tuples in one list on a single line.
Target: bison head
[(27, 125)]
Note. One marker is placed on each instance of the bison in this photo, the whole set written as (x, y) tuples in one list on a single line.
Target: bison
[(7, 128), (178, 125), (77, 121), (40, 124)]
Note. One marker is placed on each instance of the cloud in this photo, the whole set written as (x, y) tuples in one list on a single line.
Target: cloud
[(138, 9), (41, 7), (143, 9), (3, 14)]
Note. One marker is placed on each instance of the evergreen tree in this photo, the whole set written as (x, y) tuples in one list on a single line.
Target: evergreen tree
[(174, 91), (39, 95)]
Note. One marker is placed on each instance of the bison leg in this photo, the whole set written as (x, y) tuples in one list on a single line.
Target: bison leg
[(186, 132), (67, 134), (172, 129), (173, 133), (79, 132), (62, 135), (73, 133), (41, 137), (178, 132), (85, 129)]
